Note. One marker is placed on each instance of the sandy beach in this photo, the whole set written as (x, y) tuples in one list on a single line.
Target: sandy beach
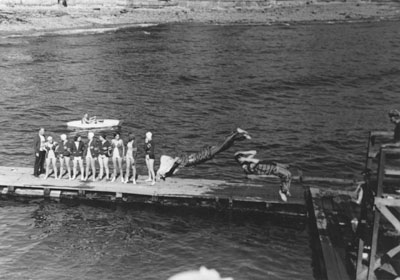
[(25, 20)]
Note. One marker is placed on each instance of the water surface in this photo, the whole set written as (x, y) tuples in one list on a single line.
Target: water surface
[(308, 94)]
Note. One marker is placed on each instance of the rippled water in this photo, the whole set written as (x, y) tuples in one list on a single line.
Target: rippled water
[(308, 94)]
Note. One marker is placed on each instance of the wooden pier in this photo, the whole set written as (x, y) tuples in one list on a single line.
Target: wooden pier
[(359, 230), (250, 195)]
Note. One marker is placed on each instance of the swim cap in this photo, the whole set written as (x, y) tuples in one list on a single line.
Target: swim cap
[(63, 137), (149, 135), (49, 138)]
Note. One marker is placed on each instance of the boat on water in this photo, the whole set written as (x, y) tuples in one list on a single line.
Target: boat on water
[(98, 124)]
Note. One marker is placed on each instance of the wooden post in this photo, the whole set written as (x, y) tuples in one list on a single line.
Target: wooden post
[(362, 225), (377, 216), (368, 160)]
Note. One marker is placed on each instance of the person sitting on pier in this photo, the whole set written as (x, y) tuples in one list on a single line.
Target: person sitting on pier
[(87, 120), (169, 165), (50, 147), (253, 166), (77, 149), (64, 153)]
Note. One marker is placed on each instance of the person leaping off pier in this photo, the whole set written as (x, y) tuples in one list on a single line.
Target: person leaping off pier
[(253, 166), (169, 166)]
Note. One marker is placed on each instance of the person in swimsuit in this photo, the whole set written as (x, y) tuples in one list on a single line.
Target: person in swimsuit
[(64, 153), (118, 151), (87, 120), (131, 152), (77, 149), (149, 150), (104, 154), (50, 147), (91, 152), (170, 165), (259, 168)]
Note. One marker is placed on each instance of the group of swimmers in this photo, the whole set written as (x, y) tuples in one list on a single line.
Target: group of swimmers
[(96, 148)]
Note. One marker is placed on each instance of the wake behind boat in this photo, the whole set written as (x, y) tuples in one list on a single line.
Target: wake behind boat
[(99, 123)]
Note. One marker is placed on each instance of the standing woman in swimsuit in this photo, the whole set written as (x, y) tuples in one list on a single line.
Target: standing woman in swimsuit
[(50, 147), (104, 154), (91, 153), (149, 149), (64, 153), (118, 151), (131, 152)]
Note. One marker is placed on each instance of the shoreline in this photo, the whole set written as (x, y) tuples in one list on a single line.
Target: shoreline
[(59, 20)]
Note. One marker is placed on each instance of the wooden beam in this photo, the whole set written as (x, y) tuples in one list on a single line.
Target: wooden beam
[(392, 151), (377, 216), (382, 133), (392, 172), (387, 201), (389, 216)]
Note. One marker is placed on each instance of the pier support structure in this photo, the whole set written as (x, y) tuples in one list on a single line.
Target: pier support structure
[(380, 203)]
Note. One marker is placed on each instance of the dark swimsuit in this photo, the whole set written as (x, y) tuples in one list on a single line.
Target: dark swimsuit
[(149, 149)]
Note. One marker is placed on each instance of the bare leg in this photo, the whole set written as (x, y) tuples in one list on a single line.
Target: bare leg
[(81, 168), (53, 160), (128, 167), (93, 163), (67, 159), (148, 169), (121, 173), (101, 163), (134, 173), (74, 163), (114, 161), (151, 170), (47, 168), (88, 163), (106, 168), (61, 167)]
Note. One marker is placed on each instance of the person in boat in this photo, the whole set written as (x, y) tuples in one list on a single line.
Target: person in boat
[(254, 166), (64, 153), (91, 153), (87, 120), (149, 150), (77, 149), (104, 154), (40, 152), (51, 158), (130, 157), (118, 152), (169, 165)]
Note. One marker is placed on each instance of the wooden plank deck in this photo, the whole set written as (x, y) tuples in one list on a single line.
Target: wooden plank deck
[(334, 265), (242, 194)]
